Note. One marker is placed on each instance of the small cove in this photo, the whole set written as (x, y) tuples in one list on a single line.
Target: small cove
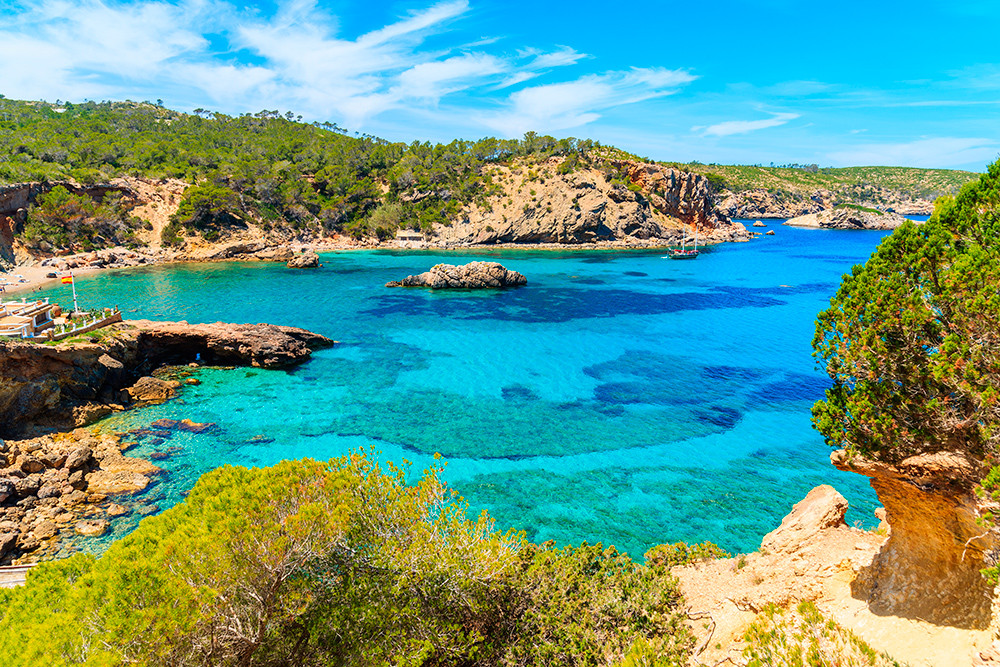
[(619, 397)]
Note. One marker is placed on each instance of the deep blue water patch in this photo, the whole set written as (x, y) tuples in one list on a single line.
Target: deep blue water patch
[(618, 397)]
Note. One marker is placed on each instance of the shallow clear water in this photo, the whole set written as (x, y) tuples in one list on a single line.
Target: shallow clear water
[(619, 397)]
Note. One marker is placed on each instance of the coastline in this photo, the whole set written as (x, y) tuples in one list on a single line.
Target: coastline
[(35, 276)]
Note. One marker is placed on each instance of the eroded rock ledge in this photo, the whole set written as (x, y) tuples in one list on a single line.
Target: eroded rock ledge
[(73, 384), (930, 566)]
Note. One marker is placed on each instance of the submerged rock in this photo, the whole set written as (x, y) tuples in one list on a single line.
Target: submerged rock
[(91, 527), (474, 275)]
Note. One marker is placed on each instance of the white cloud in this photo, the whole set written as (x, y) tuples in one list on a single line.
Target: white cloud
[(936, 152), (73, 49), (433, 80), (216, 53), (560, 106), (743, 126)]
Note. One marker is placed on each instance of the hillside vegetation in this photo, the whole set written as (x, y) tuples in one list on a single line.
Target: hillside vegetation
[(268, 168), (908, 181), (271, 174)]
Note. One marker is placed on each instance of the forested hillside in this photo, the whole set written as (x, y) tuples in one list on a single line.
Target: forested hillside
[(264, 166), (909, 181), (273, 177)]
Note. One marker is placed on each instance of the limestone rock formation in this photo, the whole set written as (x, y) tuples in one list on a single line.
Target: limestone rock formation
[(821, 509), (305, 260), (848, 218), (72, 384), (930, 566), (645, 204), (474, 275), (815, 557)]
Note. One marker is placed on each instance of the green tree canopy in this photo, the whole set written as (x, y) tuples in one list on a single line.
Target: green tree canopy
[(912, 338)]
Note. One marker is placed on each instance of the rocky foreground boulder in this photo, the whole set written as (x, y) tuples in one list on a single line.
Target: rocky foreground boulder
[(474, 275), (848, 218), (56, 484)]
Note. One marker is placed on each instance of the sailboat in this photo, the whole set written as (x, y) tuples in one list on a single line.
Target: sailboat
[(683, 252)]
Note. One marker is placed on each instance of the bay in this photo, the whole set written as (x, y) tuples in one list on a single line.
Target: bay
[(620, 397)]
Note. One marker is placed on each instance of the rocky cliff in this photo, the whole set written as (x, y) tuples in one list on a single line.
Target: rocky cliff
[(75, 383), (634, 202), (764, 203), (929, 568)]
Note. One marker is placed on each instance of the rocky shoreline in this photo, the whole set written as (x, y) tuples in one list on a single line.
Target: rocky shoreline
[(56, 477), (763, 203), (849, 218)]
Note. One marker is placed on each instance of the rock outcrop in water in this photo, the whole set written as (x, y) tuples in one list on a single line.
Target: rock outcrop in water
[(474, 275), (72, 384), (305, 260), (848, 218)]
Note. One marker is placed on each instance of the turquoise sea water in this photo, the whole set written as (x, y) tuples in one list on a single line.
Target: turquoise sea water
[(619, 397)]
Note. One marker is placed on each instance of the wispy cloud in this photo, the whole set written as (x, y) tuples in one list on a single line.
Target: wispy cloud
[(743, 126), (212, 52), (560, 106), (925, 152)]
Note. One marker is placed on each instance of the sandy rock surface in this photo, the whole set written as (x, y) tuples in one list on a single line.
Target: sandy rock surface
[(814, 556)]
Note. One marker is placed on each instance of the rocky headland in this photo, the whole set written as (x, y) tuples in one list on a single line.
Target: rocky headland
[(58, 479), (474, 275), (536, 204), (848, 218), (72, 384)]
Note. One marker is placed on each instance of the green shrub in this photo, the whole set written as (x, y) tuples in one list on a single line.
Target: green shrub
[(339, 563)]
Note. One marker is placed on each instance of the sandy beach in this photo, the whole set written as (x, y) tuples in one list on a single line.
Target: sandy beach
[(22, 280)]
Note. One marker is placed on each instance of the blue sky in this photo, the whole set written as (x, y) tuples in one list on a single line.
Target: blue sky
[(731, 81)]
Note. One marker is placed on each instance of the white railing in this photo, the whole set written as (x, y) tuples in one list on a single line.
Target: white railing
[(20, 331), (107, 316)]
